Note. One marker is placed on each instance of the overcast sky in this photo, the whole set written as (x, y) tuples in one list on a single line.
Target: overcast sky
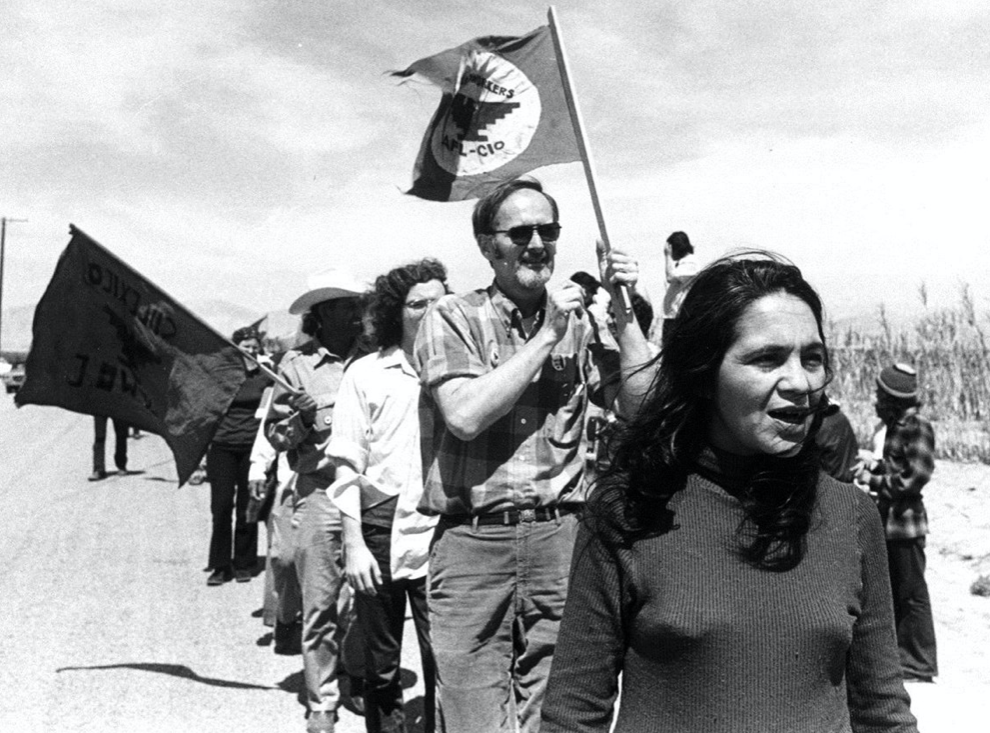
[(227, 148)]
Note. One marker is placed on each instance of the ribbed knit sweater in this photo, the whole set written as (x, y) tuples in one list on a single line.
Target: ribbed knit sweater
[(239, 426), (705, 642)]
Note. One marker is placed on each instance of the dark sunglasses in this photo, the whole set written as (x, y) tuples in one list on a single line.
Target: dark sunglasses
[(522, 234)]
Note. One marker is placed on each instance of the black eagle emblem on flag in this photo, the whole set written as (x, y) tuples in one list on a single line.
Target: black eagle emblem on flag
[(472, 117)]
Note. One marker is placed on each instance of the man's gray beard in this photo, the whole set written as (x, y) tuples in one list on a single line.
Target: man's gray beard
[(532, 280)]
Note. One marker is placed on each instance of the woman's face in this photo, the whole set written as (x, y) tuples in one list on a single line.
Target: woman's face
[(420, 297), (770, 379), (250, 346)]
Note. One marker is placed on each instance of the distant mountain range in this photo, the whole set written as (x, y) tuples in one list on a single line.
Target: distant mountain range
[(220, 315), (227, 317)]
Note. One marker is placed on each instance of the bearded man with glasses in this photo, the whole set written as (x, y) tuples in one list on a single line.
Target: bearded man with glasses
[(507, 373)]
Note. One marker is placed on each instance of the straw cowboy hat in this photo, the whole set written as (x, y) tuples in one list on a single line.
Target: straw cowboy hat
[(327, 285)]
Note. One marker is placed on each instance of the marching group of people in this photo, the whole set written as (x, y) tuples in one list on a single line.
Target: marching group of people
[(428, 450)]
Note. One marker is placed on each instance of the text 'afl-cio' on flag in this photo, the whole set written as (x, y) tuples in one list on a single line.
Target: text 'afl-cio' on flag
[(503, 113), (108, 342)]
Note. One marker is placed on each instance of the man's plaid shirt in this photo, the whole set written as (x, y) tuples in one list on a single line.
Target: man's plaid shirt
[(532, 456), (907, 465)]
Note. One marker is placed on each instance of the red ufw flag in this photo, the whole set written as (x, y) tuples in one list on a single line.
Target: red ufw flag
[(106, 341), (503, 113)]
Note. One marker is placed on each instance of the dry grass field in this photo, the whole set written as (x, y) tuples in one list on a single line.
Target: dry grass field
[(948, 347)]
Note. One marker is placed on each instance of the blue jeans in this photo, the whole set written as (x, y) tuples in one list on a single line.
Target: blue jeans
[(285, 582), (496, 596), (309, 544)]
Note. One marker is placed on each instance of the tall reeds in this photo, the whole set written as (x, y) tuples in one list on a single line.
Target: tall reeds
[(948, 347)]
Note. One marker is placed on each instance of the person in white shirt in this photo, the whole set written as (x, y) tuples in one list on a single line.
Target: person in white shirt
[(272, 482), (682, 266), (375, 448)]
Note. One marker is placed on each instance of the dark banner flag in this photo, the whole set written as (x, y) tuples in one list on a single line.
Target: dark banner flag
[(503, 113), (106, 341)]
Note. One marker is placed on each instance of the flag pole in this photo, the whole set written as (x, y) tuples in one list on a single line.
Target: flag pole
[(266, 371), (275, 377), (578, 124)]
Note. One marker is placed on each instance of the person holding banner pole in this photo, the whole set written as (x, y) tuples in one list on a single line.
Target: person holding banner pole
[(301, 423), (227, 464), (507, 373)]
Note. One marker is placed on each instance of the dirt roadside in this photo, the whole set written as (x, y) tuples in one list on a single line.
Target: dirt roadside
[(108, 624)]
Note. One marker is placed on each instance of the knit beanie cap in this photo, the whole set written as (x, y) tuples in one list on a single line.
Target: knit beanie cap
[(243, 334), (899, 380)]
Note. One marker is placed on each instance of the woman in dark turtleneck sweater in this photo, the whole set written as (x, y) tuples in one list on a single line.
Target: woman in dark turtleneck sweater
[(234, 554), (730, 583)]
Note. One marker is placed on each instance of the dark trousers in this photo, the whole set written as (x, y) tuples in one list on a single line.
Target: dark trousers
[(227, 471), (912, 607), (382, 618), (120, 430)]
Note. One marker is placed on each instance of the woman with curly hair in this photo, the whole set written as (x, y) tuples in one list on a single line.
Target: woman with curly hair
[(730, 583), (376, 450)]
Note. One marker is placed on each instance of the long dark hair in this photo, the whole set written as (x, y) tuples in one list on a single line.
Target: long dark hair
[(652, 454)]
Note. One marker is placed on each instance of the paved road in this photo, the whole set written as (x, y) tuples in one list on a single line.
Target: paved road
[(107, 622)]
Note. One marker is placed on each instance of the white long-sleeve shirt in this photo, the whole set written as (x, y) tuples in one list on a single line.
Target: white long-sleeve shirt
[(376, 431)]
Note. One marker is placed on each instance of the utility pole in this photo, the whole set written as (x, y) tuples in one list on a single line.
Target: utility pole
[(3, 249)]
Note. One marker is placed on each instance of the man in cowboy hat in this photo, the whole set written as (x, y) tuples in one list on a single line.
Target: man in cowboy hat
[(896, 480), (300, 423)]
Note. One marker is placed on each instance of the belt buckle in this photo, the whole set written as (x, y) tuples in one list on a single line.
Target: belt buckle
[(527, 515)]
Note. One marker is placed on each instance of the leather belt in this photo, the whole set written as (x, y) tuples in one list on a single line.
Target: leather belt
[(512, 517)]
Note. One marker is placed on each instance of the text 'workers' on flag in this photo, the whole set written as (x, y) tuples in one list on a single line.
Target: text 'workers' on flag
[(106, 341), (503, 113)]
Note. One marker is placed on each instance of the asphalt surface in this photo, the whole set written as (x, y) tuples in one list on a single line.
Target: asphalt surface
[(107, 622)]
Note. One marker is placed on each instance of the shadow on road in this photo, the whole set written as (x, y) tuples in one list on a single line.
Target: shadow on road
[(296, 683), (156, 477), (175, 670)]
